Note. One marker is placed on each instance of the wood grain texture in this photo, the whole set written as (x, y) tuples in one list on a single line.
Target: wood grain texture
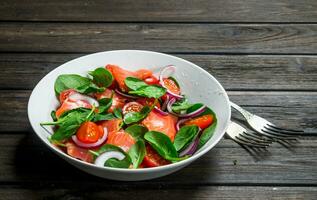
[(288, 109), (192, 193), (186, 38), (151, 10), (23, 71), (24, 160)]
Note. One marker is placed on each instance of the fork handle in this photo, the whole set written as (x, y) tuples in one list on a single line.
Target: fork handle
[(247, 115)]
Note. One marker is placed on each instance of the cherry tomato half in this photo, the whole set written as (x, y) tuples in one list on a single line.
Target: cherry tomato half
[(132, 107), (153, 159), (89, 132), (171, 85), (202, 121)]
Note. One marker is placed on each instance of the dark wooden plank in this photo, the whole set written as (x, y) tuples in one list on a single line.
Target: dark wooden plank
[(151, 10), (290, 109), (25, 161), (216, 38), (23, 71), (196, 193)]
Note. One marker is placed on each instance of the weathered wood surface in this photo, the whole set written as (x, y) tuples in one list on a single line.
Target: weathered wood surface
[(26, 161), (172, 38), (257, 72), (288, 109), (159, 193), (166, 11)]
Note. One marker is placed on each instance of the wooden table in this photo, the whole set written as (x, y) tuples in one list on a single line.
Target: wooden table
[(263, 52)]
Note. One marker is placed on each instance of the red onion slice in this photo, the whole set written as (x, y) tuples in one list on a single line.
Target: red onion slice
[(180, 122), (91, 145), (161, 76), (77, 96), (164, 106), (125, 95), (190, 150), (192, 114), (101, 159), (160, 111)]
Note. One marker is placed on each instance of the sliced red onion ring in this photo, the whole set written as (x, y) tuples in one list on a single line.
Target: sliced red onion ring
[(160, 111), (192, 114), (101, 159), (91, 145), (77, 96), (190, 150), (161, 76), (164, 106), (180, 122), (125, 95)]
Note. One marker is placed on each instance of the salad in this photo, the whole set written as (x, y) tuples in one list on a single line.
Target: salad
[(128, 119)]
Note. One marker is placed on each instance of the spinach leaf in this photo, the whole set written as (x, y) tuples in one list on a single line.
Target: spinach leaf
[(134, 83), (149, 91), (209, 131), (137, 153), (100, 117), (133, 117), (185, 136), (104, 104), (162, 145), (194, 107), (69, 123), (113, 162), (137, 131), (102, 77), (180, 105), (53, 115), (118, 113), (74, 81)]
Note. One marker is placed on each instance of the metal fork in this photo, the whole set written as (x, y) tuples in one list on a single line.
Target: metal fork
[(240, 135), (265, 127)]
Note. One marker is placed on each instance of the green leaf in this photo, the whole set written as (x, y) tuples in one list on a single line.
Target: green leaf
[(134, 83), (149, 91), (133, 117), (209, 131), (104, 104), (77, 82), (69, 123), (162, 145), (185, 136), (137, 153), (100, 117), (136, 131), (194, 107), (102, 77), (180, 105), (124, 163), (117, 113), (53, 115)]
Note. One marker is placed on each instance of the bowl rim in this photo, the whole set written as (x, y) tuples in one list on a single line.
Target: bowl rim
[(139, 170)]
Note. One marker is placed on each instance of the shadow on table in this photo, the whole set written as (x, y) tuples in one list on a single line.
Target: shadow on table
[(44, 173)]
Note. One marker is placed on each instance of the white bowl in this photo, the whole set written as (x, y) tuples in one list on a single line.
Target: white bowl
[(198, 84)]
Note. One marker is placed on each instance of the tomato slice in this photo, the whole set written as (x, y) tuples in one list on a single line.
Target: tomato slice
[(65, 94), (153, 159), (171, 85), (152, 80), (118, 101), (120, 75), (111, 125), (165, 124), (78, 152), (121, 139), (69, 104), (202, 121), (89, 132), (132, 107)]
